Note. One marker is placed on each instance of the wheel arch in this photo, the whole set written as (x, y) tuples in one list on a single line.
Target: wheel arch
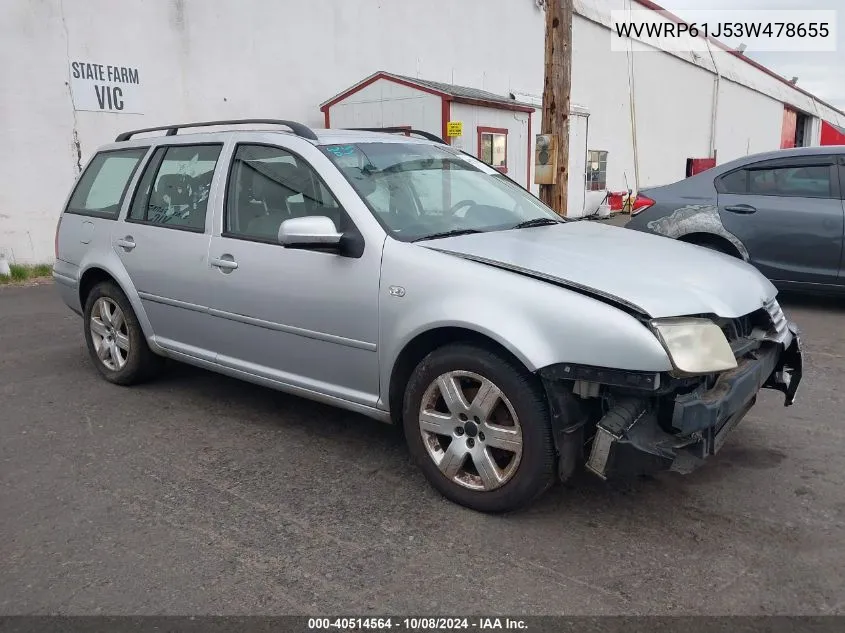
[(90, 278), (426, 342), (94, 273), (703, 238)]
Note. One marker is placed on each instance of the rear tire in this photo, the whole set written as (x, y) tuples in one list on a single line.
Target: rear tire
[(116, 342), (500, 471)]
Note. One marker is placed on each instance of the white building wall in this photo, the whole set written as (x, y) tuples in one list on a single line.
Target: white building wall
[(741, 135), (216, 59), (673, 104), (732, 67), (385, 103), (516, 123), (219, 59)]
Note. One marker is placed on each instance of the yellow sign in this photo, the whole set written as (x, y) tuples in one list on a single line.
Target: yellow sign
[(455, 128)]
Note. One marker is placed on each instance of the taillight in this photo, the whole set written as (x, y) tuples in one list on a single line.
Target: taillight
[(56, 241), (640, 204), (622, 201)]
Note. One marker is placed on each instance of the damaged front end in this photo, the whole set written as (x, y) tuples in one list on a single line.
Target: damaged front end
[(625, 423)]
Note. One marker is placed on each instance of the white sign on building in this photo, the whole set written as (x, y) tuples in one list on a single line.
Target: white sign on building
[(105, 88)]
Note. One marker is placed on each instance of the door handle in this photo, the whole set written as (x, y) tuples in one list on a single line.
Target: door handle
[(741, 208), (126, 243), (225, 263)]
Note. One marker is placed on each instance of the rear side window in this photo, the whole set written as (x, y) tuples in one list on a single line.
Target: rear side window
[(735, 182), (173, 192), (796, 181), (806, 181), (101, 189)]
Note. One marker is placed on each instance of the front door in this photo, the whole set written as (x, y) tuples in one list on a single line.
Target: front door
[(163, 243), (303, 318), (788, 214)]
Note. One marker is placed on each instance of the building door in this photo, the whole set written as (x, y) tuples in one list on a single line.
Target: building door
[(790, 121)]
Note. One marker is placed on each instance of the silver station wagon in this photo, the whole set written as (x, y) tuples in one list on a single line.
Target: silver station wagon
[(400, 278)]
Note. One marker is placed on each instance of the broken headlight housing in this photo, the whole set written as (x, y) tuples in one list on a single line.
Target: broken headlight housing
[(695, 346)]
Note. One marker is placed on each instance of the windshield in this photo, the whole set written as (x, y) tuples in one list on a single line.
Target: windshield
[(422, 191)]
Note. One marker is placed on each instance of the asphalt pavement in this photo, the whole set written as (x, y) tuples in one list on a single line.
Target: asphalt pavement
[(199, 494)]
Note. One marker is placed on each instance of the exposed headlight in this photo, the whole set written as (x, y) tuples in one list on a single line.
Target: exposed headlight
[(695, 346)]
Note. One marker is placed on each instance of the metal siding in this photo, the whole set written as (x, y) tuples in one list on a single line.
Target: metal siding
[(384, 103), (516, 123)]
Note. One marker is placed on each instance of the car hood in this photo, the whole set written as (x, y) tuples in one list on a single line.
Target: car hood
[(654, 275)]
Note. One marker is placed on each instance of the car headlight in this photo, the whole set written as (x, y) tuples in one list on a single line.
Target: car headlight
[(695, 346)]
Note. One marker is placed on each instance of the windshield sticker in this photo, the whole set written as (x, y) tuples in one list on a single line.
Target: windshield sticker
[(341, 150)]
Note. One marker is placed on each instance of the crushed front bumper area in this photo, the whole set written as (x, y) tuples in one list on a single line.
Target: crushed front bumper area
[(630, 439)]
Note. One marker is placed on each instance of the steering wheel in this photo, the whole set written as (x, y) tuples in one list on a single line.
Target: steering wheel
[(459, 205)]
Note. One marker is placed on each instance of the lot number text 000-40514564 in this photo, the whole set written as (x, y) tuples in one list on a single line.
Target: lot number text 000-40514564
[(105, 88)]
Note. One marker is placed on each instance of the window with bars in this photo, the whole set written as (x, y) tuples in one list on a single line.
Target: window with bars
[(596, 170)]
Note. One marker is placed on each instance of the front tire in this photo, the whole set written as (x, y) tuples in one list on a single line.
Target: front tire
[(477, 424), (116, 342)]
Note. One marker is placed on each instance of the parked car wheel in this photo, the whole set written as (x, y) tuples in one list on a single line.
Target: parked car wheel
[(478, 425), (116, 342)]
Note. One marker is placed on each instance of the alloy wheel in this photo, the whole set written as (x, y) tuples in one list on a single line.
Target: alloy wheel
[(109, 333), (470, 430)]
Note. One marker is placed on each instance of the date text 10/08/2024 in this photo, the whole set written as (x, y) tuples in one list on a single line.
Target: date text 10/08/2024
[(415, 624)]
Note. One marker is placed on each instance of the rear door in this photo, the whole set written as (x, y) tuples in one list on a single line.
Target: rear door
[(163, 244), (788, 213), (95, 204)]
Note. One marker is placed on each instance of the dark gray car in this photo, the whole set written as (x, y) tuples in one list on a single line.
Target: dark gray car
[(782, 211)]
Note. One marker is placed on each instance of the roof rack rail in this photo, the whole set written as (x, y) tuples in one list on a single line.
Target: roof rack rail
[(297, 128), (404, 130)]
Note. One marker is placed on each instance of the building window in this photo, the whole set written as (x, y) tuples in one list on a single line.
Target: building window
[(493, 147), (596, 170)]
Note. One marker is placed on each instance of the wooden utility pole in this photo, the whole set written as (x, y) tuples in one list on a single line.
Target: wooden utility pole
[(558, 75)]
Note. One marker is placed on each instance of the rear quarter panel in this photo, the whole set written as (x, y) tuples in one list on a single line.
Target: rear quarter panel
[(685, 208), (85, 242)]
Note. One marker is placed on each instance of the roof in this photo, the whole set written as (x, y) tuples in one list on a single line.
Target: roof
[(465, 91), (227, 128), (449, 92)]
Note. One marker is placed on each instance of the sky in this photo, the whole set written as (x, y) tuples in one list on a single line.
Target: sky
[(822, 74)]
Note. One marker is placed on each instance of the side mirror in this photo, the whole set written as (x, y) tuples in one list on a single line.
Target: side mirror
[(311, 232)]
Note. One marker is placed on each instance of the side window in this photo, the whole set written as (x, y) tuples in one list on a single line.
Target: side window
[(268, 185), (805, 181), (101, 189), (734, 182), (173, 191)]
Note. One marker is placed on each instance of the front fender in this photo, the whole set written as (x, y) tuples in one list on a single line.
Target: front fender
[(539, 323)]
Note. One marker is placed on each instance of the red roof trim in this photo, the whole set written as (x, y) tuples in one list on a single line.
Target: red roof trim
[(502, 105), (648, 4), (374, 78)]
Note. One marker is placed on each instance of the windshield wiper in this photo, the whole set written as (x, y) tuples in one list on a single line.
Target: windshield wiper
[(451, 233), (536, 222)]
